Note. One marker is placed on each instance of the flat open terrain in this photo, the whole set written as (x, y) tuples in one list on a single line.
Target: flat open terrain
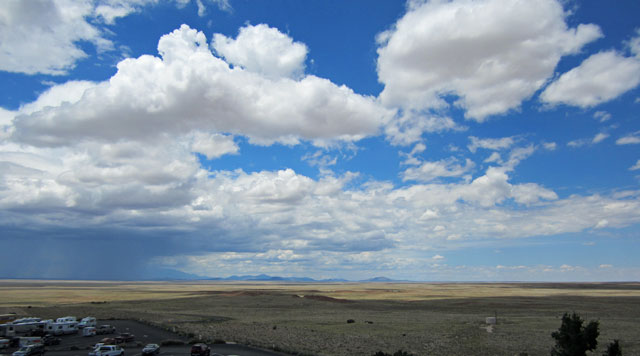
[(311, 319)]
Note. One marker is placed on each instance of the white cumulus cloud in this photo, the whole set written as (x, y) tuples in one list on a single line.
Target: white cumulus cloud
[(630, 139), (55, 27), (188, 88), (491, 54), (490, 143), (428, 171), (264, 50), (600, 78), (30, 28)]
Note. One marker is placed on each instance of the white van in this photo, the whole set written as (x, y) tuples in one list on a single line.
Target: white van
[(89, 331), (88, 321)]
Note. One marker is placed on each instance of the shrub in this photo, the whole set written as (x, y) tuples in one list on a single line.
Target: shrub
[(171, 342), (573, 339), (398, 353)]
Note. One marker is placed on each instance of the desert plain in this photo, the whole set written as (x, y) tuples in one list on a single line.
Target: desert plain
[(347, 318)]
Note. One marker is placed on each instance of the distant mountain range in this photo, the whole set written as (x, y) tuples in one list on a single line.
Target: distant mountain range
[(170, 274)]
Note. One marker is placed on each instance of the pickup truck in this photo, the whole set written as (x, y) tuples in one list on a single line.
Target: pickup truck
[(105, 329), (30, 350), (107, 350)]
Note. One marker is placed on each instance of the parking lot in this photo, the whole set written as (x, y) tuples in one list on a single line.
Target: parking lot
[(78, 345)]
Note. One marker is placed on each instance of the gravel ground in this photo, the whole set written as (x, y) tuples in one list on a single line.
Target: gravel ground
[(78, 345)]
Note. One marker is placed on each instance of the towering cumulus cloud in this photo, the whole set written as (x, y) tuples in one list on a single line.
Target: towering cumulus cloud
[(189, 88)]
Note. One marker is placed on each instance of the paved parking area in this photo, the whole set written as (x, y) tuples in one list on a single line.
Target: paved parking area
[(144, 334)]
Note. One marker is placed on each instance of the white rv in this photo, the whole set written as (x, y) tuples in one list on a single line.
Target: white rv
[(26, 325), (67, 319), (62, 328), (7, 330), (86, 322)]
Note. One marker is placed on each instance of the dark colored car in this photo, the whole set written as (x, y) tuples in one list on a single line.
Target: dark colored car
[(200, 350), (108, 341), (124, 338), (49, 340), (37, 332), (151, 349)]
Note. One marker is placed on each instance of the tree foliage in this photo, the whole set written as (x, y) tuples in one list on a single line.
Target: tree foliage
[(574, 339), (613, 349)]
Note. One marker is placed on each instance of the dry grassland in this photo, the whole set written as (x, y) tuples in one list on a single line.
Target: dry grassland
[(311, 319)]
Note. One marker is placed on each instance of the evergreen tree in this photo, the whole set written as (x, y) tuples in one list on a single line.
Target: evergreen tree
[(573, 339)]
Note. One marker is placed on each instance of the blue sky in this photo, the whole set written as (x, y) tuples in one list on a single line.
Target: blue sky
[(455, 140)]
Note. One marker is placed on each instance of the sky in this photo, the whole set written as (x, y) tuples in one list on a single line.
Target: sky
[(462, 140)]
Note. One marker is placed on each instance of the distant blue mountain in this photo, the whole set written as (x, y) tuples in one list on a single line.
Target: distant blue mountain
[(168, 274), (378, 279), (267, 278)]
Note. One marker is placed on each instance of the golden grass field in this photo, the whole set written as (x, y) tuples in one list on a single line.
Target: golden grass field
[(47, 292), (310, 319)]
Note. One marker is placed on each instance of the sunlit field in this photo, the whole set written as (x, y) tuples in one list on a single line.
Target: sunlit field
[(46, 293), (311, 319)]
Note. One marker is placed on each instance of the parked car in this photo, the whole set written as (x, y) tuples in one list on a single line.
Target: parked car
[(108, 341), (107, 350), (124, 338), (151, 349), (105, 329), (51, 340), (200, 350), (30, 350)]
